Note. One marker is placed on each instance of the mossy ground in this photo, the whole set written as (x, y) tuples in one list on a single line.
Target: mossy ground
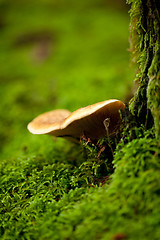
[(58, 54)]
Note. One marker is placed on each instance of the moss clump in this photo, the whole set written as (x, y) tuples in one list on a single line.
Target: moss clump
[(40, 200)]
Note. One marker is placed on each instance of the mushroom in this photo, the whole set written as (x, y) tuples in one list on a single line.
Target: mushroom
[(94, 121)]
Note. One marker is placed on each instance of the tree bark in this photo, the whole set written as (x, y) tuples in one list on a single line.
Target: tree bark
[(145, 47)]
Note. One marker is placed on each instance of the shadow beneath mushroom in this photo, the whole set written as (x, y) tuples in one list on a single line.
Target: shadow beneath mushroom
[(99, 155)]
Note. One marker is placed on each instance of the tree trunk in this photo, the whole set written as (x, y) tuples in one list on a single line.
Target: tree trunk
[(145, 47)]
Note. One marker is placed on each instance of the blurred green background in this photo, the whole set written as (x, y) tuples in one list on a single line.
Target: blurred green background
[(58, 54)]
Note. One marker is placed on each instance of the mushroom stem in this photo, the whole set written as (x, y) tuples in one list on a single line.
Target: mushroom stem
[(106, 123)]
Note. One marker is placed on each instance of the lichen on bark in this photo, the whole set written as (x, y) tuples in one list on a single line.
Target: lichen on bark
[(145, 48)]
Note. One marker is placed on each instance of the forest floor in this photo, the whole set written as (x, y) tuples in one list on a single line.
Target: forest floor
[(67, 54)]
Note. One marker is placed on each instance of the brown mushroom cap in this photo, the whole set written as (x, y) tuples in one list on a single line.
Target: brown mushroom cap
[(88, 121), (49, 121)]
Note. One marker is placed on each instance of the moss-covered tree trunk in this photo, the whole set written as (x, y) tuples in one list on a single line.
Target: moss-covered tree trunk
[(145, 46)]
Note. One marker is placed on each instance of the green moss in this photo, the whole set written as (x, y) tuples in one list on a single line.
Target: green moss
[(40, 200), (153, 90)]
